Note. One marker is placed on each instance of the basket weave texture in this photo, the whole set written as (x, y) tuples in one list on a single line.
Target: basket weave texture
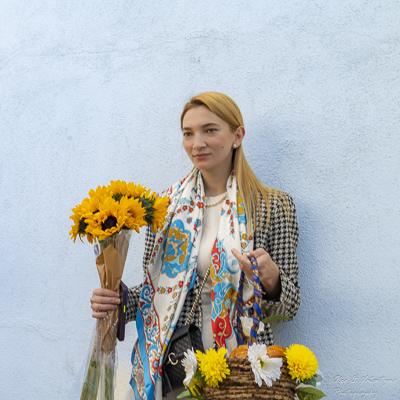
[(240, 384)]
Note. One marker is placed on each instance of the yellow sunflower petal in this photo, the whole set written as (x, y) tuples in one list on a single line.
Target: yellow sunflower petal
[(160, 212), (110, 219), (136, 213), (134, 190)]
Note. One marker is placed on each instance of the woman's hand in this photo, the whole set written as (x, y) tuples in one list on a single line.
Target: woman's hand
[(102, 301), (268, 271)]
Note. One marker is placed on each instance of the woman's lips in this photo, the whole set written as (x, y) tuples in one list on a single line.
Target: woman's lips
[(200, 156)]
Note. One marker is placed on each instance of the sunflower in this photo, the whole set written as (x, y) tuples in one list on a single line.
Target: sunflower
[(302, 363), (136, 213), (76, 217), (110, 218), (101, 214), (89, 207), (79, 227), (135, 190), (213, 366), (160, 212), (119, 189), (99, 195)]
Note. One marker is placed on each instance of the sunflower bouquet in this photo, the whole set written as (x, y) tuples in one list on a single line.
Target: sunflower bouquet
[(106, 219), (274, 371)]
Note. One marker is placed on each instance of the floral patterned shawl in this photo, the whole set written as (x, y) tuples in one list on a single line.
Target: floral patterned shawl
[(171, 274)]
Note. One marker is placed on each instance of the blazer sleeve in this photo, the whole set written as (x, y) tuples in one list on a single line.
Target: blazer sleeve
[(135, 291), (280, 240)]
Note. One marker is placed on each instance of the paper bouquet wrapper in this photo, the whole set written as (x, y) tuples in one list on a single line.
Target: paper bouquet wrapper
[(98, 381), (110, 266)]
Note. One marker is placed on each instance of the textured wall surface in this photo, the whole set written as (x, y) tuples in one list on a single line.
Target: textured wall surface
[(92, 91)]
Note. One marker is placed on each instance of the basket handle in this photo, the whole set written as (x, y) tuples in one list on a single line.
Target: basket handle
[(257, 304)]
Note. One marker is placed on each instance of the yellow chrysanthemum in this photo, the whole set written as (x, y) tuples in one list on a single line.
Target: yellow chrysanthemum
[(160, 212), (136, 213), (108, 220), (213, 366), (302, 363)]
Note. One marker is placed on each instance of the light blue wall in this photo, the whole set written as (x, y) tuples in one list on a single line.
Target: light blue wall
[(92, 91)]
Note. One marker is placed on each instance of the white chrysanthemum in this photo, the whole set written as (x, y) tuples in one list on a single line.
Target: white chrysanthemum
[(264, 368), (190, 365), (247, 323)]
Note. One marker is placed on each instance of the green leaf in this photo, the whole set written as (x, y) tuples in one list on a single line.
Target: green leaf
[(274, 318), (186, 393), (82, 226), (300, 396), (312, 381), (309, 392), (198, 376), (117, 197)]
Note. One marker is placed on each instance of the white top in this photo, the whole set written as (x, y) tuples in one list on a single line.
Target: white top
[(209, 232)]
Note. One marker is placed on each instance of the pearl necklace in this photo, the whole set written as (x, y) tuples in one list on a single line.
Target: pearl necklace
[(215, 203)]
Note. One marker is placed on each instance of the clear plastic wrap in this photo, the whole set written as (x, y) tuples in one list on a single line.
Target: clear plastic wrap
[(97, 378)]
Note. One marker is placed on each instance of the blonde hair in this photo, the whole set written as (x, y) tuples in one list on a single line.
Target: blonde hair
[(249, 186)]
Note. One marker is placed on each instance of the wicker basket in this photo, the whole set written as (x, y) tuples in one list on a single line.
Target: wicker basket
[(240, 384)]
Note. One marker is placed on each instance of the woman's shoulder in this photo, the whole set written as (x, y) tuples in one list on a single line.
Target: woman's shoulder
[(279, 203), (280, 212)]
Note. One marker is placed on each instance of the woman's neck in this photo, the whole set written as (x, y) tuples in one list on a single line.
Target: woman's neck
[(214, 184)]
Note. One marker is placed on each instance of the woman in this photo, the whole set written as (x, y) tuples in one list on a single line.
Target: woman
[(218, 214)]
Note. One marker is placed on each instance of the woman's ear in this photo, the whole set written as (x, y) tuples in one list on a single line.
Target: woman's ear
[(239, 135)]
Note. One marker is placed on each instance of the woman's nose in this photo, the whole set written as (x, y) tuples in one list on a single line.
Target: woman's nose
[(198, 141)]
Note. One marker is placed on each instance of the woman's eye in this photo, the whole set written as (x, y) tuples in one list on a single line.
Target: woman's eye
[(211, 130), (186, 134)]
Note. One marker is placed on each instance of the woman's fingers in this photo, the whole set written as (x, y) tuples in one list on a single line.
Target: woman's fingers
[(268, 271), (263, 259), (102, 301), (258, 253), (244, 263)]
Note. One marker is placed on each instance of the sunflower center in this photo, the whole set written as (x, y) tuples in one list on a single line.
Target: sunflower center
[(109, 223)]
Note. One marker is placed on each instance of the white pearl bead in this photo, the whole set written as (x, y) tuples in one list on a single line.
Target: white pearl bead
[(217, 201)]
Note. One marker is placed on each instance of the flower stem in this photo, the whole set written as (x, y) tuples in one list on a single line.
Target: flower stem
[(91, 384), (109, 384)]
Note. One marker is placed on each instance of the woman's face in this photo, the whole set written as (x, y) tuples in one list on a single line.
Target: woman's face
[(208, 140)]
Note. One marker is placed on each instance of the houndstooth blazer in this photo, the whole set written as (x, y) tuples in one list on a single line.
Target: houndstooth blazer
[(279, 239)]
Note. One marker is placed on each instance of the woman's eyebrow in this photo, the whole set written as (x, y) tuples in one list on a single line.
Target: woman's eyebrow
[(210, 124), (203, 126)]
